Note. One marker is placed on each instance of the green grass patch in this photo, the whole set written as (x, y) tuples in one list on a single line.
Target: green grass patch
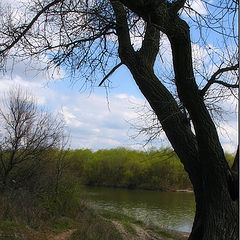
[(8, 230), (5, 224), (63, 224), (115, 216), (129, 228), (96, 229), (13, 231)]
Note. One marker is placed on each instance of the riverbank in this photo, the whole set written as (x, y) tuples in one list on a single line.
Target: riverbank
[(69, 217), (174, 210), (102, 225), (140, 187)]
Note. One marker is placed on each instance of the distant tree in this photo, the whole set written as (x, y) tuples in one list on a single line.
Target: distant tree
[(90, 38), (27, 134)]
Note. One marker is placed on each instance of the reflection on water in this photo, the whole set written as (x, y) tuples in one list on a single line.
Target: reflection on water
[(174, 210)]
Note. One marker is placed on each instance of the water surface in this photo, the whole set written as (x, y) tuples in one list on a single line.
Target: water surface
[(174, 210)]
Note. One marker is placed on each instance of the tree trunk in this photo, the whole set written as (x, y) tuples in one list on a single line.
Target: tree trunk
[(215, 206), (201, 154), (233, 184)]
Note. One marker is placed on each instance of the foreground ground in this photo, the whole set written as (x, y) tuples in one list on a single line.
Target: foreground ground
[(103, 225)]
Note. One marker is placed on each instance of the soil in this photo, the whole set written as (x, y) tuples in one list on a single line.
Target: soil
[(64, 235)]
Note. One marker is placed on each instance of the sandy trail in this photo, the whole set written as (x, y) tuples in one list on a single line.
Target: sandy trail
[(63, 235)]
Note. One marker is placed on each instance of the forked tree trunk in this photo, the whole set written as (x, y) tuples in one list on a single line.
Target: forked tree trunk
[(216, 213), (201, 153)]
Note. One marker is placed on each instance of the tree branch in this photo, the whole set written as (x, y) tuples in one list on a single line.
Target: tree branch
[(227, 84), (150, 44), (125, 47), (110, 73), (134, 5), (215, 76), (28, 27)]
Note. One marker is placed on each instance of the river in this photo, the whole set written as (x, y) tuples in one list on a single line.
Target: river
[(173, 210)]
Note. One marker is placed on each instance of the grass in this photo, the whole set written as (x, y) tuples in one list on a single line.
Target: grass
[(63, 224), (10, 230), (129, 228), (9, 225), (128, 223), (97, 228), (88, 226), (115, 216), (86, 223)]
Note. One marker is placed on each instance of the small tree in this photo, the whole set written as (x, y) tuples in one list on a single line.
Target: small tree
[(27, 134)]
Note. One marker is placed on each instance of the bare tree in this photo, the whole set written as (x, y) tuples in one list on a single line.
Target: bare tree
[(92, 39), (27, 134)]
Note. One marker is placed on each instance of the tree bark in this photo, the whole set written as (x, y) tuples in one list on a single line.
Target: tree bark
[(233, 184), (201, 154), (217, 209)]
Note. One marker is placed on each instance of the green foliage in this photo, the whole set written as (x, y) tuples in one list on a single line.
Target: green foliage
[(51, 191), (63, 224), (229, 158), (65, 202), (155, 169)]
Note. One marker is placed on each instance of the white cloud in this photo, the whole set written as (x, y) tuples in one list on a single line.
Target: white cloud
[(229, 148), (199, 55), (199, 6), (91, 121), (34, 69), (193, 6), (39, 91), (228, 134), (95, 123), (70, 119), (122, 96)]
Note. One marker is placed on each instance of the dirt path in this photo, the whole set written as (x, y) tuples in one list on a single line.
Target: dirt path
[(64, 235), (145, 235), (141, 234), (121, 229)]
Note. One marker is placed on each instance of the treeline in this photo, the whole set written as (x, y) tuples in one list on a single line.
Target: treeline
[(121, 167), (156, 169)]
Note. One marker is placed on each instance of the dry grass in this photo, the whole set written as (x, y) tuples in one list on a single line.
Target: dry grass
[(23, 217)]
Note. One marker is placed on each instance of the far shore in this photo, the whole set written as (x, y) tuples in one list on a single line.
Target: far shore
[(143, 188), (184, 190)]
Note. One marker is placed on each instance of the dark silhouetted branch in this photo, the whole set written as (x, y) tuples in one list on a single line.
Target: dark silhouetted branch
[(215, 75), (110, 73), (28, 27)]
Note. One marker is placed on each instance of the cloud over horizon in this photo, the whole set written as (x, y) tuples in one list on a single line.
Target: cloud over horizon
[(97, 122)]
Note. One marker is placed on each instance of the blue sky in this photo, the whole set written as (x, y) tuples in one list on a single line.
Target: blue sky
[(95, 119)]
